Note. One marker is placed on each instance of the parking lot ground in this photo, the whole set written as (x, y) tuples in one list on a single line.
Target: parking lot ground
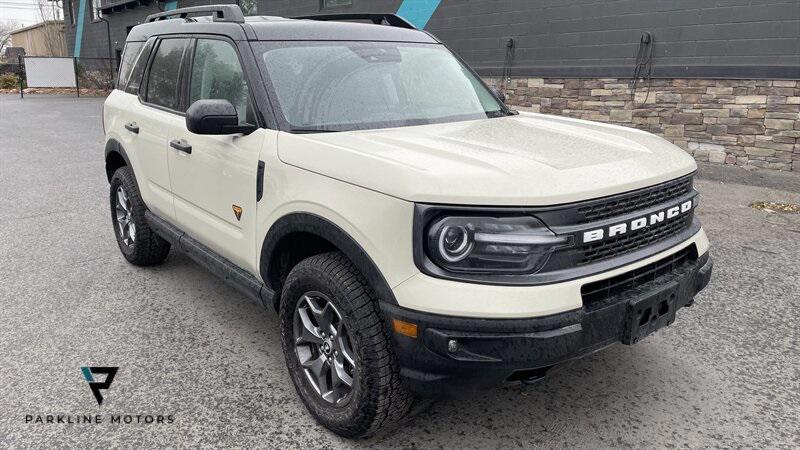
[(726, 373)]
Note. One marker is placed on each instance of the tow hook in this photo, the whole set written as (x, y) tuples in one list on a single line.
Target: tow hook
[(528, 377), (532, 379)]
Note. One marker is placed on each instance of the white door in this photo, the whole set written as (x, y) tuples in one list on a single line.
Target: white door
[(151, 150), (154, 118), (214, 186)]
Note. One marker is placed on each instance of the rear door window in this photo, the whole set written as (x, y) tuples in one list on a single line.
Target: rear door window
[(163, 83), (133, 80)]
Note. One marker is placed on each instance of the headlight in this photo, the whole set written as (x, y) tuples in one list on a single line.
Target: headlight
[(502, 245)]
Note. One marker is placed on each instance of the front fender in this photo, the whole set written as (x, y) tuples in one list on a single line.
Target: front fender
[(304, 222)]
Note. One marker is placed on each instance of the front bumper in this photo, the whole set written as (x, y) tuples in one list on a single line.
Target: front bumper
[(452, 355)]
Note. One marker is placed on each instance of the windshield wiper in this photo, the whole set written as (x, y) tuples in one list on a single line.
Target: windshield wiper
[(311, 130), (501, 113)]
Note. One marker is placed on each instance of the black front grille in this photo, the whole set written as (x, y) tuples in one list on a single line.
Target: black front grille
[(633, 240), (610, 290), (618, 205)]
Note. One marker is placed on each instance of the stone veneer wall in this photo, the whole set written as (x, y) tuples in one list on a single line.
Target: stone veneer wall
[(742, 122)]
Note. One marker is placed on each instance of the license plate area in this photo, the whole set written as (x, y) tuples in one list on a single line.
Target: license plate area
[(649, 313)]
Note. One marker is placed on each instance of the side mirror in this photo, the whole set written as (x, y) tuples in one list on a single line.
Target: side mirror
[(215, 117), (499, 94)]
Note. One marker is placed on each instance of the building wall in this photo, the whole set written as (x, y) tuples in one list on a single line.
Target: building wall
[(94, 43), (599, 38), (35, 40), (742, 122), (291, 8), (724, 72)]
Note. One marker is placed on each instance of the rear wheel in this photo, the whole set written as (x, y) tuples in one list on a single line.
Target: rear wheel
[(137, 242), (337, 349)]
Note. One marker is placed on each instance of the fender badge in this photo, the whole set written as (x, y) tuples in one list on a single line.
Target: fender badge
[(238, 211)]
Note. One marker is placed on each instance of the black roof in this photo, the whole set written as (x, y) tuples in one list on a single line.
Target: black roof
[(282, 29), (197, 25), (270, 28)]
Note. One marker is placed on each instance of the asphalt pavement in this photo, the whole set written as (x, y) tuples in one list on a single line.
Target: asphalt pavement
[(197, 353)]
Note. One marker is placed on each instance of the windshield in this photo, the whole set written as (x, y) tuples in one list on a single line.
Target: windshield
[(341, 86)]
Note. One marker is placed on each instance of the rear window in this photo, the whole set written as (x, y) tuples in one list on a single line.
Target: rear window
[(129, 56), (130, 83)]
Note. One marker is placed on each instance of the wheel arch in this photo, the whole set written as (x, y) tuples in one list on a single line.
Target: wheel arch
[(115, 157), (297, 236)]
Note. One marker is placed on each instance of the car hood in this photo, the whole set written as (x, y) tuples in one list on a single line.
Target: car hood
[(528, 159)]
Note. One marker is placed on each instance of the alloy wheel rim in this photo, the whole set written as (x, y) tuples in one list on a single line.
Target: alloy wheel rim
[(322, 345), (125, 225)]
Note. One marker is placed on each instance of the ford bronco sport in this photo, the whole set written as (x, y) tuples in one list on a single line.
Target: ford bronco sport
[(417, 237)]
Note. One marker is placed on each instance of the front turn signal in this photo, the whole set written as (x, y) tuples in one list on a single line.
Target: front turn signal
[(405, 328)]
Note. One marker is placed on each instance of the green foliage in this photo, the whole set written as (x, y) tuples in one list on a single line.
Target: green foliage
[(9, 81)]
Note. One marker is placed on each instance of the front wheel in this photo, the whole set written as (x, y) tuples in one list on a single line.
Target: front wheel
[(337, 349), (139, 244)]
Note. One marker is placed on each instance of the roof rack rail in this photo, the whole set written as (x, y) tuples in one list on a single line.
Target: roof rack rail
[(391, 19), (222, 13)]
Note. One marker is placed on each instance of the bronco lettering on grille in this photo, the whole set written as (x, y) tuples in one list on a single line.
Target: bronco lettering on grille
[(637, 223)]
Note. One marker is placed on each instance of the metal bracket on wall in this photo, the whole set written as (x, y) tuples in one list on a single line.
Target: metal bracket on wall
[(644, 67), (507, 62)]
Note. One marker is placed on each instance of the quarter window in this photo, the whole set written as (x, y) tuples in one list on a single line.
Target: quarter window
[(163, 81), (217, 74), (131, 82), (129, 57)]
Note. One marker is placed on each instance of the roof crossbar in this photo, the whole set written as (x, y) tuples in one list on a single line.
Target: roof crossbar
[(378, 19), (221, 13)]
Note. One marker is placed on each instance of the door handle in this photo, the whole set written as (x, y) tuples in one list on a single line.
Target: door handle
[(132, 127), (181, 145)]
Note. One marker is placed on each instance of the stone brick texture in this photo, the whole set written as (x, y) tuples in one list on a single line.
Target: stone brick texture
[(752, 123)]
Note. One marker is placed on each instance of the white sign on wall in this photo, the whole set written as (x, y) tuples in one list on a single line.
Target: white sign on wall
[(50, 72)]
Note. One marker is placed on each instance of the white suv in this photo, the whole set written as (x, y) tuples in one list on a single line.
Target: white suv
[(416, 237)]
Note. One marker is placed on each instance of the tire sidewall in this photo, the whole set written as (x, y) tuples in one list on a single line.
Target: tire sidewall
[(120, 178), (339, 418), (148, 248)]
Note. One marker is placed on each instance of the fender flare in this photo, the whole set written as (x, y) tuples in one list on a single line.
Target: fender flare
[(114, 147), (303, 222)]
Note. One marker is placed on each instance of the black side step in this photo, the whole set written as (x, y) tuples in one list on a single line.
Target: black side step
[(218, 265)]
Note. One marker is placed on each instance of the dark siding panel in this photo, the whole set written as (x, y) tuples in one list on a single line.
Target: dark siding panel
[(593, 38), (95, 36), (597, 38), (290, 8)]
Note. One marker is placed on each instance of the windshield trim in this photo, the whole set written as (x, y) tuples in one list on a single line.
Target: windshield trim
[(285, 126)]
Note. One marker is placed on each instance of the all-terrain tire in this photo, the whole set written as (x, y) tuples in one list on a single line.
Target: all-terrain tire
[(147, 248), (378, 399)]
